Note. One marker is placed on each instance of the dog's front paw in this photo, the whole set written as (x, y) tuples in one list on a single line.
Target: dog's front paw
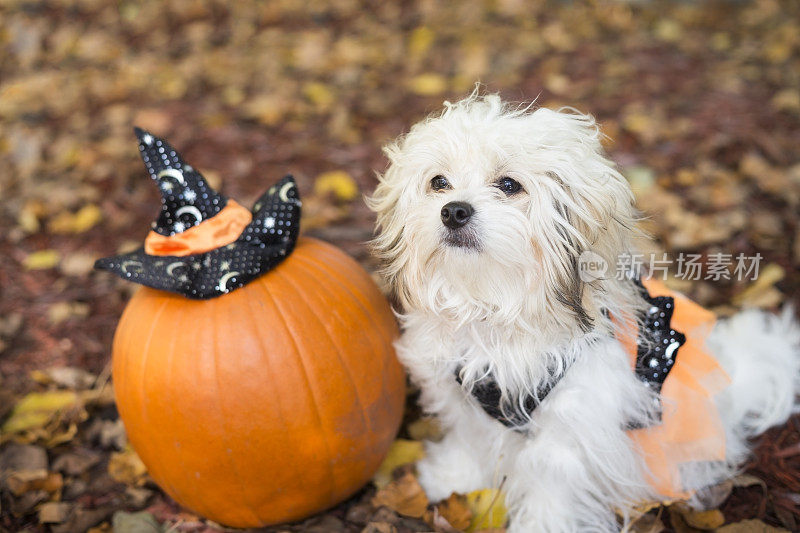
[(445, 470)]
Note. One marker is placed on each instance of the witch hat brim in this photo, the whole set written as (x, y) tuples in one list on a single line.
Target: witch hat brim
[(264, 242)]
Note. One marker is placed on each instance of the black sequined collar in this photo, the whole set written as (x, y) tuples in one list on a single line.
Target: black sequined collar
[(657, 348)]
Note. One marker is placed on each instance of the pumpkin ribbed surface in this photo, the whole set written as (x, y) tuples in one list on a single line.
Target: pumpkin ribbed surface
[(267, 404)]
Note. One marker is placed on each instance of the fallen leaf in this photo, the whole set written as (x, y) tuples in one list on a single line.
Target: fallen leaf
[(42, 260), (30, 215), (137, 497), (456, 511), (761, 292), (22, 467), (83, 220), (642, 179), (82, 519), (420, 41), (379, 527), (26, 459), (26, 481), (402, 451), (68, 377), (75, 463), (319, 94), (428, 84), (126, 467), (705, 520), (750, 526), (109, 434), (747, 480), (141, 522), (787, 100), (425, 428), (36, 409), (337, 182), (77, 264), (61, 311), (488, 509), (54, 512), (268, 109), (403, 495), (648, 523)]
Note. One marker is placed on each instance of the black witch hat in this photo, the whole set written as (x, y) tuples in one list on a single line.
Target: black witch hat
[(203, 245)]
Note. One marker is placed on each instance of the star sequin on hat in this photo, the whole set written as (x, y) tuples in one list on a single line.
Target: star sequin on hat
[(202, 244)]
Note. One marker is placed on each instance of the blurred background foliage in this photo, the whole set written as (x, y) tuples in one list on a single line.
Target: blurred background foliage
[(700, 102)]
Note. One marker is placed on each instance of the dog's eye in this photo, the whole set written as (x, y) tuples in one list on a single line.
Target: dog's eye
[(508, 185), (440, 183)]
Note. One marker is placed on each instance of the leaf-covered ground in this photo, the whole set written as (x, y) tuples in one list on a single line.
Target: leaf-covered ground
[(701, 103)]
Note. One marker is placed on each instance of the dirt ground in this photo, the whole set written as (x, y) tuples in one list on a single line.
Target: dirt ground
[(700, 103)]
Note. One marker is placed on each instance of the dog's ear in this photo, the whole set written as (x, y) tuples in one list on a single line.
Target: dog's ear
[(569, 291), (592, 205), (387, 244)]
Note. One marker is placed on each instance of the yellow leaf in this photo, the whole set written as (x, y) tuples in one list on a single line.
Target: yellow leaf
[(669, 30), (425, 428), (787, 100), (30, 214), (319, 94), (721, 41), (700, 519), (126, 467), (42, 260), (403, 451), (268, 109), (428, 84), (488, 509), (338, 182), (86, 218), (36, 409), (638, 122), (420, 41)]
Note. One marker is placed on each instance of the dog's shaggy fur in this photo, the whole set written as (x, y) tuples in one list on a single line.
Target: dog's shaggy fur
[(505, 298)]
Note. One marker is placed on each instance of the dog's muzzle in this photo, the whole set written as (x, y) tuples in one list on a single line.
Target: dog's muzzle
[(459, 233), (456, 214)]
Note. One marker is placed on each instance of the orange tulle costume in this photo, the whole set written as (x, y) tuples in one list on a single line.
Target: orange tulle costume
[(690, 428)]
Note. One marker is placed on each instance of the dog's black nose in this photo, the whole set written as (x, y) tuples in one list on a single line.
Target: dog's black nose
[(456, 214)]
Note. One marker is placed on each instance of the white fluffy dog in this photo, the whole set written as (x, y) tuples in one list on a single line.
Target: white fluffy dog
[(482, 216)]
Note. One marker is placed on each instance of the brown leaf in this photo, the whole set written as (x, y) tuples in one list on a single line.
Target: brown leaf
[(126, 467), (379, 527), (688, 520), (22, 482), (454, 512), (54, 512), (25, 460), (68, 377), (648, 523), (141, 522), (403, 495), (76, 462), (750, 526)]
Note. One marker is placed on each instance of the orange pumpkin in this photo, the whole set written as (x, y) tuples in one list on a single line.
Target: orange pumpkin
[(267, 404)]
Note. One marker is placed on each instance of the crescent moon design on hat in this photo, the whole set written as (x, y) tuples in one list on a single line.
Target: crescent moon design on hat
[(202, 244)]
